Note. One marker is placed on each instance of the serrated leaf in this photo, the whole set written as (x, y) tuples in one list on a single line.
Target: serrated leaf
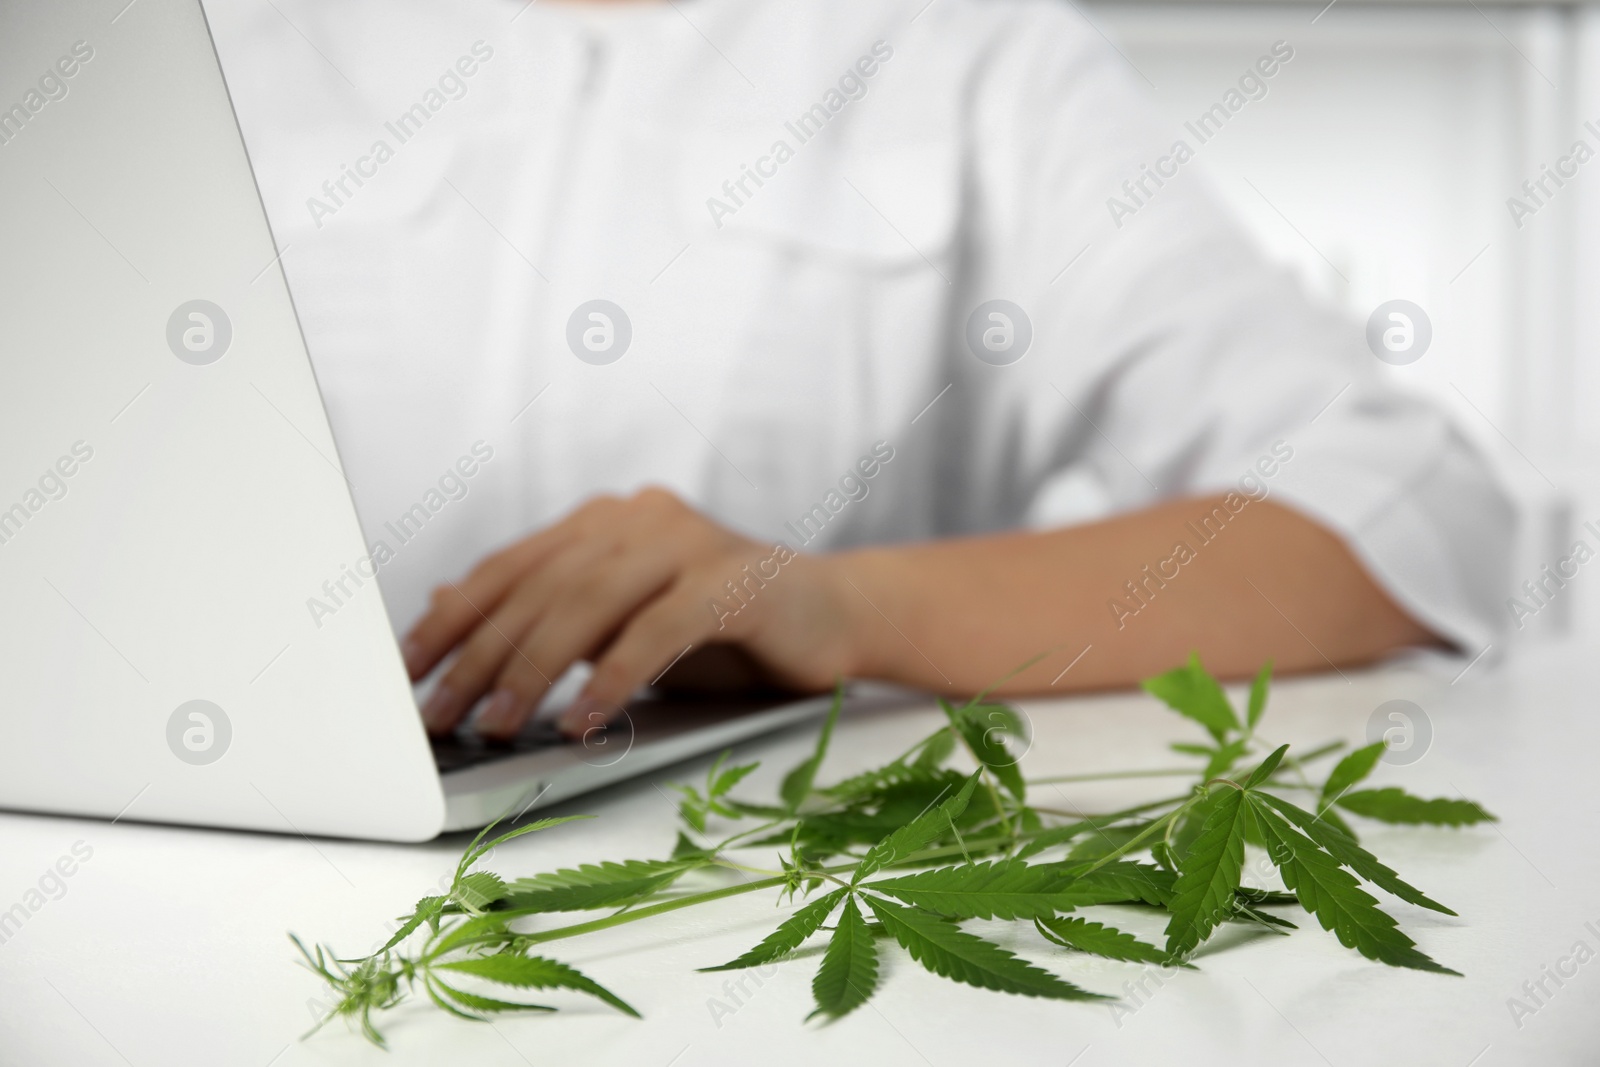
[(1344, 849), (1350, 770), (1119, 883), (535, 972), (1192, 692), (433, 995), (1265, 898), (788, 936), (1258, 695), (1265, 768), (797, 783), (592, 885), (760, 811), (609, 872), (1335, 820), (984, 744), (1397, 806), (484, 931), (1012, 889), (1003, 889), (480, 848), (475, 892), (918, 832), (427, 910), (722, 783), (873, 818), (1207, 874), (683, 848), (1331, 893), (849, 971), (696, 808), (1098, 940), (950, 952), (484, 1004), (862, 788), (1249, 913)]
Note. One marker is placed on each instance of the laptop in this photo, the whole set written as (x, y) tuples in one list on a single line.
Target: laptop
[(171, 493)]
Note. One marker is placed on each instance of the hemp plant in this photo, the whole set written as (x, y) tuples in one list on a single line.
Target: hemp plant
[(908, 851)]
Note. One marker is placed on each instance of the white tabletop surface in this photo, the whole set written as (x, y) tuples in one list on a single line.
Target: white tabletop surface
[(169, 946)]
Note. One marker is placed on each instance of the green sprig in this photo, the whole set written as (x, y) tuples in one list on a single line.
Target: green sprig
[(922, 848)]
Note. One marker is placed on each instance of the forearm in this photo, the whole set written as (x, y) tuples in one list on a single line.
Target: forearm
[(1268, 583)]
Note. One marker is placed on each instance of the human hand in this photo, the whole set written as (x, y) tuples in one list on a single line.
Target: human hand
[(630, 585)]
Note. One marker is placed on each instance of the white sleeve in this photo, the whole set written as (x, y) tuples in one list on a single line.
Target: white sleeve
[(1170, 358)]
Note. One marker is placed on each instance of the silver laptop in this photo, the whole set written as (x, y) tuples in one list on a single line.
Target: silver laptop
[(170, 489)]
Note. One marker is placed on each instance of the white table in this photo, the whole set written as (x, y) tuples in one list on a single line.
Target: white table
[(168, 946)]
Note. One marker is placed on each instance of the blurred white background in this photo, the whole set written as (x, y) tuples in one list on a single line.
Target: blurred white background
[(1379, 165)]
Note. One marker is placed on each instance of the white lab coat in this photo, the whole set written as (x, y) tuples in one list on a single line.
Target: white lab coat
[(781, 330)]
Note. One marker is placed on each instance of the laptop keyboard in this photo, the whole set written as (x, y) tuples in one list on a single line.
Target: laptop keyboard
[(464, 749), (645, 720)]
